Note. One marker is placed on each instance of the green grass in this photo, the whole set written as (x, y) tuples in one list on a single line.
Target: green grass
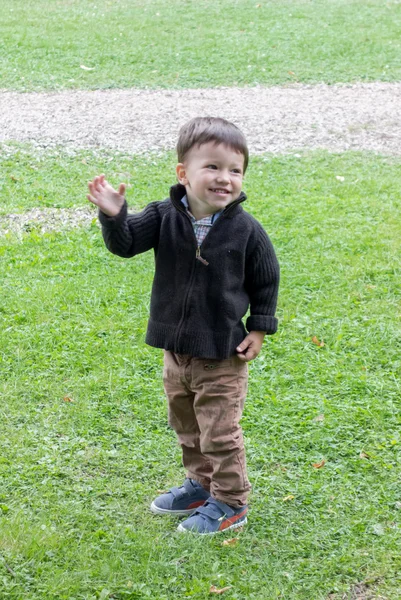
[(59, 179), (76, 478), (188, 43)]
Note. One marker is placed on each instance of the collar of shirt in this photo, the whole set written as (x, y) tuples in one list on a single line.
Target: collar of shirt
[(209, 219)]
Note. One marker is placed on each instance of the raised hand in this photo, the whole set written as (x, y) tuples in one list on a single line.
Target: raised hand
[(106, 197)]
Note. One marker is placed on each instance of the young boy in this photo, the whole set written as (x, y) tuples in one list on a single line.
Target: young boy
[(213, 262)]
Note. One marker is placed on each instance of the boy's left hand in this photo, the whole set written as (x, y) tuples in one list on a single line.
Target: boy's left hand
[(250, 347)]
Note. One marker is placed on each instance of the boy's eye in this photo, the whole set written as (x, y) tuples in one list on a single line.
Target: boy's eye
[(211, 167), (236, 170)]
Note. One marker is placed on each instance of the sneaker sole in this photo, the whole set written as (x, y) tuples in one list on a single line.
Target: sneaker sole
[(165, 511), (233, 526)]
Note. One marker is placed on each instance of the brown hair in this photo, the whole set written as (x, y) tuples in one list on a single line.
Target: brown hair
[(202, 130)]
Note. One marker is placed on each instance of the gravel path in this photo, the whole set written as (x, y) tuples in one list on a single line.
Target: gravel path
[(274, 119), (46, 220)]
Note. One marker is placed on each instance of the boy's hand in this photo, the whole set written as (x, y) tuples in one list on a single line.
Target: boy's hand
[(250, 347), (105, 197)]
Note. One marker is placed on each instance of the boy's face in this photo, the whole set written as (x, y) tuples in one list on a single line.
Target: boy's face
[(212, 175)]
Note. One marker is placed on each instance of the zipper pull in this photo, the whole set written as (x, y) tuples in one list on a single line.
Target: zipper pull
[(198, 256)]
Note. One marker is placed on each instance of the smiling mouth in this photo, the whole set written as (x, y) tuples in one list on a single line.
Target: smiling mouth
[(220, 191)]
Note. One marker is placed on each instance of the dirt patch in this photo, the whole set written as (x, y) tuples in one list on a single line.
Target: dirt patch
[(359, 591)]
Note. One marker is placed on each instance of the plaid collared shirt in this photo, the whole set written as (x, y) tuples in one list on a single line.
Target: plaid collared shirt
[(203, 226)]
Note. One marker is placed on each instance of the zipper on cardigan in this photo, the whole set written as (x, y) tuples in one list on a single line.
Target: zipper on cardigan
[(200, 258), (184, 310), (198, 248)]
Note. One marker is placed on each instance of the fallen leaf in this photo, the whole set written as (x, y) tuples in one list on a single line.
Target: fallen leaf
[(319, 465), (215, 590), (87, 68), (340, 178), (231, 542), (319, 418), (13, 178), (290, 497), (258, 5), (316, 341), (291, 73), (364, 455), (68, 399)]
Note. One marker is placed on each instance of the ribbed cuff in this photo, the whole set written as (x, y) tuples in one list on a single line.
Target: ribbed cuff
[(262, 323), (114, 222)]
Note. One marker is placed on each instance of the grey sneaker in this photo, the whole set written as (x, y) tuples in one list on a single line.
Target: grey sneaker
[(182, 501), (214, 517)]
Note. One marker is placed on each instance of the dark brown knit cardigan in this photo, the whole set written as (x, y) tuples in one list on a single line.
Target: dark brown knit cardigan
[(196, 305)]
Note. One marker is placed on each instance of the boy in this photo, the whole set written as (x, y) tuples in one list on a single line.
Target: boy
[(213, 261)]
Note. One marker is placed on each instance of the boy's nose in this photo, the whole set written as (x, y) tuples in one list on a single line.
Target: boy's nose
[(223, 176)]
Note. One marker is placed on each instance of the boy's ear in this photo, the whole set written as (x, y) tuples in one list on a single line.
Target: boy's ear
[(181, 174)]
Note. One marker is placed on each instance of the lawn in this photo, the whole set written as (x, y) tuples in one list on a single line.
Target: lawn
[(196, 43), (84, 441)]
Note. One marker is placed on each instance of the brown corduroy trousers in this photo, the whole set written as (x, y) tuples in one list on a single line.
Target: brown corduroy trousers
[(205, 403)]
